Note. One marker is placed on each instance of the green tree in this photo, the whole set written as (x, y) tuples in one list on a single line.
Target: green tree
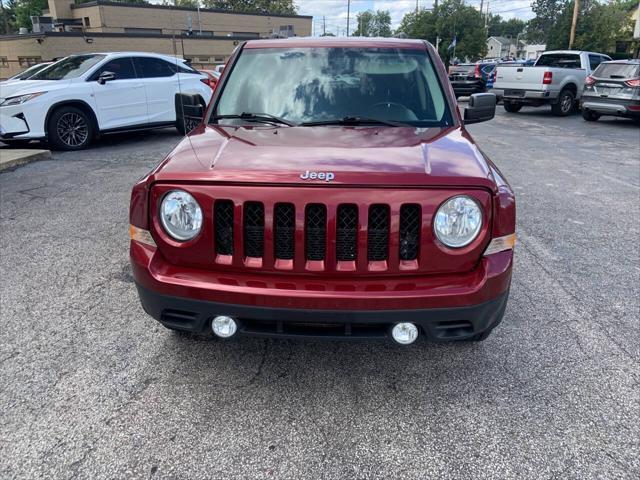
[(284, 7), (546, 17), (599, 26), (452, 19), (373, 24), (419, 24), (7, 16), (25, 9)]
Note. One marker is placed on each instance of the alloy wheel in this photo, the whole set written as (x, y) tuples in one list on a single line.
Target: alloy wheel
[(72, 129)]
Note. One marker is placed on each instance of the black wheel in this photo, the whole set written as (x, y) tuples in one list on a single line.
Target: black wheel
[(565, 105), (16, 143), (590, 116), (185, 124), (512, 107), (70, 129)]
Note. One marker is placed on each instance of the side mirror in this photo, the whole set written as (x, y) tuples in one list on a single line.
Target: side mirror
[(482, 107), (191, 106), (106, 77)]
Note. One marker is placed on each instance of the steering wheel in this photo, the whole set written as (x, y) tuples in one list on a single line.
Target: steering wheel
[(402, 111)]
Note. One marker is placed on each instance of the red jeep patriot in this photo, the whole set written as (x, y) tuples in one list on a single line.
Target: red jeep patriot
[(331, 191)]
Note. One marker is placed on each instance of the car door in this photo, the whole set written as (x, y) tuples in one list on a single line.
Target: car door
[(120, 102), (161, 83)]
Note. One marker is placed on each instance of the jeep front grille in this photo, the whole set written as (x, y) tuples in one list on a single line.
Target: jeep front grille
[(347, 232), (316, 232), (284, 224), (378, 238), (253, 230), (224, 227), (347, 237)]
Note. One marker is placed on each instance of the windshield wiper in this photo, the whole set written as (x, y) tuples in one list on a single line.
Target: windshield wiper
[(256, 117), (352, 120)]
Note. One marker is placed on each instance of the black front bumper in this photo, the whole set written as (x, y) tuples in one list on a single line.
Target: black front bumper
[(438, 324)]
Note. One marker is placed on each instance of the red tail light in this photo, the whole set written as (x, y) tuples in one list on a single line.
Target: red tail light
[(547, 78), (205, 81), (476, 72), (589, 81), (635, 82)]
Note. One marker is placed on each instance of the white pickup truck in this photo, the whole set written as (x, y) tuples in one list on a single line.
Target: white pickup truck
[(557, 78)]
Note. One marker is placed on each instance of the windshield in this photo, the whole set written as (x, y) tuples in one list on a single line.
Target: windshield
[(617, 70), (318, 84), (70, 67)]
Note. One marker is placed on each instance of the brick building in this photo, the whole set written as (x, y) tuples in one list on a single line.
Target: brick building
[(206, 37)]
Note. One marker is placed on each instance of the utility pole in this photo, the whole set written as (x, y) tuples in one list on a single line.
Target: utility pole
[(348, 11), (416, 6), (486, 18), (481, 5), (574, 21), (324, 25), (199, 19)]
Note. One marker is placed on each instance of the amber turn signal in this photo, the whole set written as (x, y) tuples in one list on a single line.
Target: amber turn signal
[(140, 235), (500, 244)]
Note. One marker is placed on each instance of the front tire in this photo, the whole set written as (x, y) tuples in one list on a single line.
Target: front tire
[(512, 107), (565, 105), (590, 116), (70, 129)]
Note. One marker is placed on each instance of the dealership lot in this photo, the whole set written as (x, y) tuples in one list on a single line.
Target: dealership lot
[(93, 388)]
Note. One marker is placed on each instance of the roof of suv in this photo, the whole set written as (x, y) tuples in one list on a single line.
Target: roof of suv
[(297, 42)]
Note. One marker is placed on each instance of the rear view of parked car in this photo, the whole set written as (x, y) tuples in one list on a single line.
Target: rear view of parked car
[(83, 96), (613, 89), (469, 78)]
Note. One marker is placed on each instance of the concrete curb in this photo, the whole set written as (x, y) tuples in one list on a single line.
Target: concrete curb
[(10, 158)]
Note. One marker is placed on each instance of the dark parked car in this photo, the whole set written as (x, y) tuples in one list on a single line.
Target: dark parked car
[(338, 194), (469, 78), (613, 89)]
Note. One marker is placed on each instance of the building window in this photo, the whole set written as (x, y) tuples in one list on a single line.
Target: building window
[(147, 31), (87, 22), (29, 61), (218, 59), (4, 62)]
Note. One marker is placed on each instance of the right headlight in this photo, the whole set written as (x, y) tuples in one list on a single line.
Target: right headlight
[(20, 99), (458, 221), (180, 215)]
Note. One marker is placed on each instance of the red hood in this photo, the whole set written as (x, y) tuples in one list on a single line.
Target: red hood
[(355, 156)]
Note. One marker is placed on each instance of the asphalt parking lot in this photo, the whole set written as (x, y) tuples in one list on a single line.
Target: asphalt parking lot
[(93, 388)]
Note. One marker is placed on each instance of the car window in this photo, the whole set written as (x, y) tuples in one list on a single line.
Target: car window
[(149, 67), (317, 84), (184, 68), (122, 67), (69, 67), (594, 61), (559, 60), (617, 70)]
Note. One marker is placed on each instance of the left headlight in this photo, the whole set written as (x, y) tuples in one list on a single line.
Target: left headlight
[(180, 215), (458, 221), (20, 99)]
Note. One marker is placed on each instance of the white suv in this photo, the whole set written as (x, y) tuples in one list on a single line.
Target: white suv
[(79, 97)]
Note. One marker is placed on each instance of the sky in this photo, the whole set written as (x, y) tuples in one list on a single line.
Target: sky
[(335, 11)]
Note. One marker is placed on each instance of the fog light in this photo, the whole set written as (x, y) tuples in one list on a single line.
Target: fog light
[(224, 327), (404, 333)]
